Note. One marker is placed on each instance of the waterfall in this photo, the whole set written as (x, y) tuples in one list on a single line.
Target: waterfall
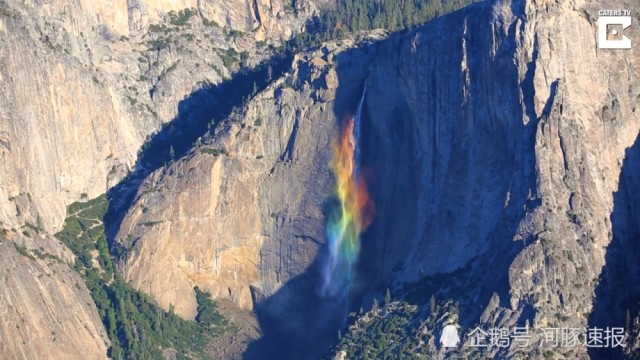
[(357, 124), (354, 212)]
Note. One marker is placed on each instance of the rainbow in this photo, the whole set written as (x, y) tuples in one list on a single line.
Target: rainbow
[(353, 213)]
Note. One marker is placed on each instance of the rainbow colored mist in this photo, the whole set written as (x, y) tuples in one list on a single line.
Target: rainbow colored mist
[(353, 213)]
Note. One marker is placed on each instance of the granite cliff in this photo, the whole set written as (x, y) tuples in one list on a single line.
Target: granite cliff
[(495, 138), (498, 142), (83, 84), (47, 312), (99, 77)]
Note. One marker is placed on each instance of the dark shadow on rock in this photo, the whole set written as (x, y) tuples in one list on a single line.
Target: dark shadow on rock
[(618, 289), (198, 114), (473, 286), (508, 143), (297, 322)]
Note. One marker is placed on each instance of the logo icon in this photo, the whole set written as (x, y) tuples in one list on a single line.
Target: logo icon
[(604, 41), (449, 337)]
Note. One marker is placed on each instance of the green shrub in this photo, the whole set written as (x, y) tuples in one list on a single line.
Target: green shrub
[(159, 43), (229, 58), (155, 28), (22, 250), (189, 36), (210, 23), (180, 18), (215, 152)]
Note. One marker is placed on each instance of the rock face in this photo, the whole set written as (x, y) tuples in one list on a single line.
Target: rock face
[(46, 309), (274, 19), (512, 139), (519, 131), (84, 84), (507, 141), (495, 137), (236, 216), (60, 132), (239, 219)]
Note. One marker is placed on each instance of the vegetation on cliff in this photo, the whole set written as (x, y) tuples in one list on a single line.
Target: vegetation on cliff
[(137, 327), (397, 330), (351, 16)]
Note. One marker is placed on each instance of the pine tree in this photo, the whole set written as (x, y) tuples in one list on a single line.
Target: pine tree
[(387, 297), (432, 304)]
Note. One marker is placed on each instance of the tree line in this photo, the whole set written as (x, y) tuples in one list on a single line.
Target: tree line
[(350, 16), (136, 326)]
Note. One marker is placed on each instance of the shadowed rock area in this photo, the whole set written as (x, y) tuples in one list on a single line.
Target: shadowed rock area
[(617, 294)]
